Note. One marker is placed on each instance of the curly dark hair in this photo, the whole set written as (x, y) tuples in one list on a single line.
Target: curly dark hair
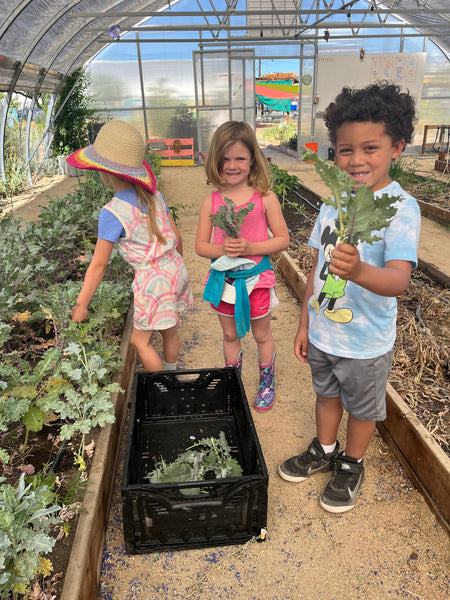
[(381, 102)]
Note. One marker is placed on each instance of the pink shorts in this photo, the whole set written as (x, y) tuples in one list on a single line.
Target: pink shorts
[(260, 304)]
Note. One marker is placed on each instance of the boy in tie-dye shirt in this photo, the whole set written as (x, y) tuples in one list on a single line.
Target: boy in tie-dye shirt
[(348, 321)]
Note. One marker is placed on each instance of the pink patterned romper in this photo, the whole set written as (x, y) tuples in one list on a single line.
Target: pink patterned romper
[(161, 283)]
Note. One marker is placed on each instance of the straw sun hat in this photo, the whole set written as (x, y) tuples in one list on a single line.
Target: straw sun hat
[(120, 150)]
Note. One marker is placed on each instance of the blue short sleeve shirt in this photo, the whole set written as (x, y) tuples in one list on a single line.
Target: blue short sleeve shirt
[(109, 226)]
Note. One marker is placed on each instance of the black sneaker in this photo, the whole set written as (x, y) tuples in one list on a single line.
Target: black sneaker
[(314, 460), (342, 489)]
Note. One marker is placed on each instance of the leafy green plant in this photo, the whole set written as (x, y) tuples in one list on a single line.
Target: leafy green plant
[(23, 390), (14, 181), (54, 249), (281, 132), (282, 182), (75, 108), (85, 405), (42, 266), (360, 211), (25, 523), (175, 209), (230, 219), (292, 142), (154, 160), (210, 458), (298, 208), (406, 173)]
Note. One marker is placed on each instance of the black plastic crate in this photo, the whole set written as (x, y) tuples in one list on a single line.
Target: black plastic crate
[(171, 410)]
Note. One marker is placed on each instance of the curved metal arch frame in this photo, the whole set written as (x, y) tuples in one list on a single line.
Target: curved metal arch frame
[(395, 9), (41, 78)]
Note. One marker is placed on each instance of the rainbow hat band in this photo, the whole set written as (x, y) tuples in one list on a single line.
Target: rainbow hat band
[(120, 150)]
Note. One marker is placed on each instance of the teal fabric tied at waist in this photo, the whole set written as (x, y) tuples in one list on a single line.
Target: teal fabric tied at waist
[(216, 281)]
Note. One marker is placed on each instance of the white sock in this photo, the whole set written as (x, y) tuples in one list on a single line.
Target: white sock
[(357, 459), (169, 366), (328, 449)]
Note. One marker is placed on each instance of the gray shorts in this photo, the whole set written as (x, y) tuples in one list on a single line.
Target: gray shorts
[(359, 383)]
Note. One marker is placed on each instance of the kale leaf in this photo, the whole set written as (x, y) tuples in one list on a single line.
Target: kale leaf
[(360, 211), (229, 219)]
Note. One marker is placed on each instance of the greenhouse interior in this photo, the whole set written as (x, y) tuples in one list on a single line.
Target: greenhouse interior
[(181, 68), (84, 514)]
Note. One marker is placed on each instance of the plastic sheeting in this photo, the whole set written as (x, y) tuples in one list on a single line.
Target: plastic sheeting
[(41, 41)]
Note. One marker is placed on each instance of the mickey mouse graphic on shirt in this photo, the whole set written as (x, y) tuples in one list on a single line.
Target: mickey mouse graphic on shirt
[(334, 286)]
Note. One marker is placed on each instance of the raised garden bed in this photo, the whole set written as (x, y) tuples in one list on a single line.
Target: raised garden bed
[(82, 576)]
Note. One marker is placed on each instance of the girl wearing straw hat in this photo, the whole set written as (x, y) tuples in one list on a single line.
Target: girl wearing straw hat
[(138, 221)]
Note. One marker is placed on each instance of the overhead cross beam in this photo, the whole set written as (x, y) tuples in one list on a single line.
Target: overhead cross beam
[(243, 13)]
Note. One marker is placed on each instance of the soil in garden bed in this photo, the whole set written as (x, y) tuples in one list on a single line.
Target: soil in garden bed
[(45, 451)]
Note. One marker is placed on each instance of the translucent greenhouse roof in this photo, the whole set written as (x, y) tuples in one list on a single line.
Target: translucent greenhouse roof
[(43, 41)]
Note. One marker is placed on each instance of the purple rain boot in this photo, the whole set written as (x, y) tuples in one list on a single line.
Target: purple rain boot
[(266, 394), (237, 363)]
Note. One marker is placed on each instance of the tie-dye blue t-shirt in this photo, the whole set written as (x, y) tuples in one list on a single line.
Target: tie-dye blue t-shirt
[(345, 319)]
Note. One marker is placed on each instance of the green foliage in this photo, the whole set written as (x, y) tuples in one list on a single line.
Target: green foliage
[(230, 219), (299, 209), (360, 212), (24, 387), (15, 180), (86, 404), (25, 523), (292, 142), (281, 132), (406, 173), (71, 124), (51, 365), (282, 182), (175, 209), (42, 266), (154, 160), (207, 459), (53, 249)]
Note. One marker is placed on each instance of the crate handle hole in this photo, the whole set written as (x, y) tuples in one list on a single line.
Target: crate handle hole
[(188, 377)]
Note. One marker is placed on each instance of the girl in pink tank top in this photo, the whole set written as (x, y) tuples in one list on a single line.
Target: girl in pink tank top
[(237, 167)]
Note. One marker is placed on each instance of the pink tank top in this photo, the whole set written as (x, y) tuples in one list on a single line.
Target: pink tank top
[(254, 229)]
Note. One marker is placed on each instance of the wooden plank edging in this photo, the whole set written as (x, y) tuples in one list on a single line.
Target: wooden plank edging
[(82, 577), (432, 211), (427, 465)]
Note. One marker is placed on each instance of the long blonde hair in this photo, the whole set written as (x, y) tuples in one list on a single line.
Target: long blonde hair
[(145, 198), (260, 177)]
